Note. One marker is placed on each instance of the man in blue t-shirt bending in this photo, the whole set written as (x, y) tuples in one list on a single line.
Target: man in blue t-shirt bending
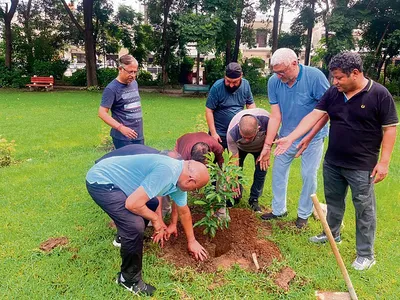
[(227, 97), (293, 91), (126, 187), (121, 96)]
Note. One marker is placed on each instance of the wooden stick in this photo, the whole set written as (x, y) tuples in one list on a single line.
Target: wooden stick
[(255, 261), (334, 247)]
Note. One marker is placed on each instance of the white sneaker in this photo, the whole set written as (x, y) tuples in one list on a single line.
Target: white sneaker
[(363, 263), (117, 241)]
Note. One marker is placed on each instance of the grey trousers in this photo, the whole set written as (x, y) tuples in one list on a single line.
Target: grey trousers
[(337, 180)]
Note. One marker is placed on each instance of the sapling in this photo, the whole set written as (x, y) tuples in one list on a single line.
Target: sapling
[(222, 187)]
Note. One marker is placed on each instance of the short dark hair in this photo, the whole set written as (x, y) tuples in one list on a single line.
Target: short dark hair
[(198, 151), (346, 62)]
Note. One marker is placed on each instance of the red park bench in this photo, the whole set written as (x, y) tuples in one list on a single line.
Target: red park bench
[(41, 82)]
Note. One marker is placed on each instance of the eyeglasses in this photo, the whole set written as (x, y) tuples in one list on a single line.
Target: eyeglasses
[(130, 72), (282, 73)]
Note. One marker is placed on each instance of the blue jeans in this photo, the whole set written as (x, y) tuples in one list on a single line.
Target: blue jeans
[(310, 161), (121, 143), (337, 180)]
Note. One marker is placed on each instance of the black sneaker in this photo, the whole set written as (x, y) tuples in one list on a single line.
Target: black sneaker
[(270, 216), (322, 238), (117, 241), (255, 206), (138, 288), (301, 223)]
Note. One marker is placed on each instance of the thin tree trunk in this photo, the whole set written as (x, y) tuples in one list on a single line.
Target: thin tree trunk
[(309, 36), (198, 67), (281, 21), (28, 34), (228, 52), (327, 57), (387, 62), (165, 52), (275, 25), (8, 15), (237, 37), (90, 43), (8, 35)]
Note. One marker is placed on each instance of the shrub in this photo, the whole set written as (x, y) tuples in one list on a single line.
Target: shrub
[(58, 67), (215, 69), (13, 78), (106, 75), (220, 189), (7, 150), (144, 78), (78, 78), (252, 71), (54, 68)]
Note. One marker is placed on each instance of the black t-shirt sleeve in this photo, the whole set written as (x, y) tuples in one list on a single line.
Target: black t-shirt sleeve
[(323, 103), (388, 113)]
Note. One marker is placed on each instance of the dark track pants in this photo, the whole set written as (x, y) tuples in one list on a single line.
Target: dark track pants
[(337, 180), (130, 226)]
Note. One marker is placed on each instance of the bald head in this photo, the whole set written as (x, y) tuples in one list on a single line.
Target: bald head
[(248, 125), (194, 176)]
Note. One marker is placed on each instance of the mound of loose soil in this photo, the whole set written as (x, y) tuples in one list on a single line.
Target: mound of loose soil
[(234, 245)]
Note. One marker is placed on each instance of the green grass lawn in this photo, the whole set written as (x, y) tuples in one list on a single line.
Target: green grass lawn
[(43, 195)]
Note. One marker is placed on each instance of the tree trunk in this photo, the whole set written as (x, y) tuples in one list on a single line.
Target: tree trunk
[(387, 62), (309, 36), (90, 43), (275, 27), (8, 15), (8, 35), (165, 51), (327, 57), (198, 67), (238, 34), (28, 34), (228, 52), (380, 65)]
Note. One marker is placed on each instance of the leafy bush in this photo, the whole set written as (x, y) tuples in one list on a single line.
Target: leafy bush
[(78, 78), (252, 71), (393, 76), (144, 78), (54, 68), (393, 87), (106, 75), (58, 67), (223, 181), (7, 150), (215, 69), (259, 87), (14, 78)]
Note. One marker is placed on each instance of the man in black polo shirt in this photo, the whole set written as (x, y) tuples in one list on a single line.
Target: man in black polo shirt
[(363, 123)]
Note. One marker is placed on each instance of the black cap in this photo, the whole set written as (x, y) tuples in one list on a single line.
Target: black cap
[(233, 70)]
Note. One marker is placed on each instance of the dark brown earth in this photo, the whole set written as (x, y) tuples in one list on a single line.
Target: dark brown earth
[(52, 243), (234, 245)]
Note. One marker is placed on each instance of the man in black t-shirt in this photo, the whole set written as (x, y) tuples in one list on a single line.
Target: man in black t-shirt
[(363, 123)]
